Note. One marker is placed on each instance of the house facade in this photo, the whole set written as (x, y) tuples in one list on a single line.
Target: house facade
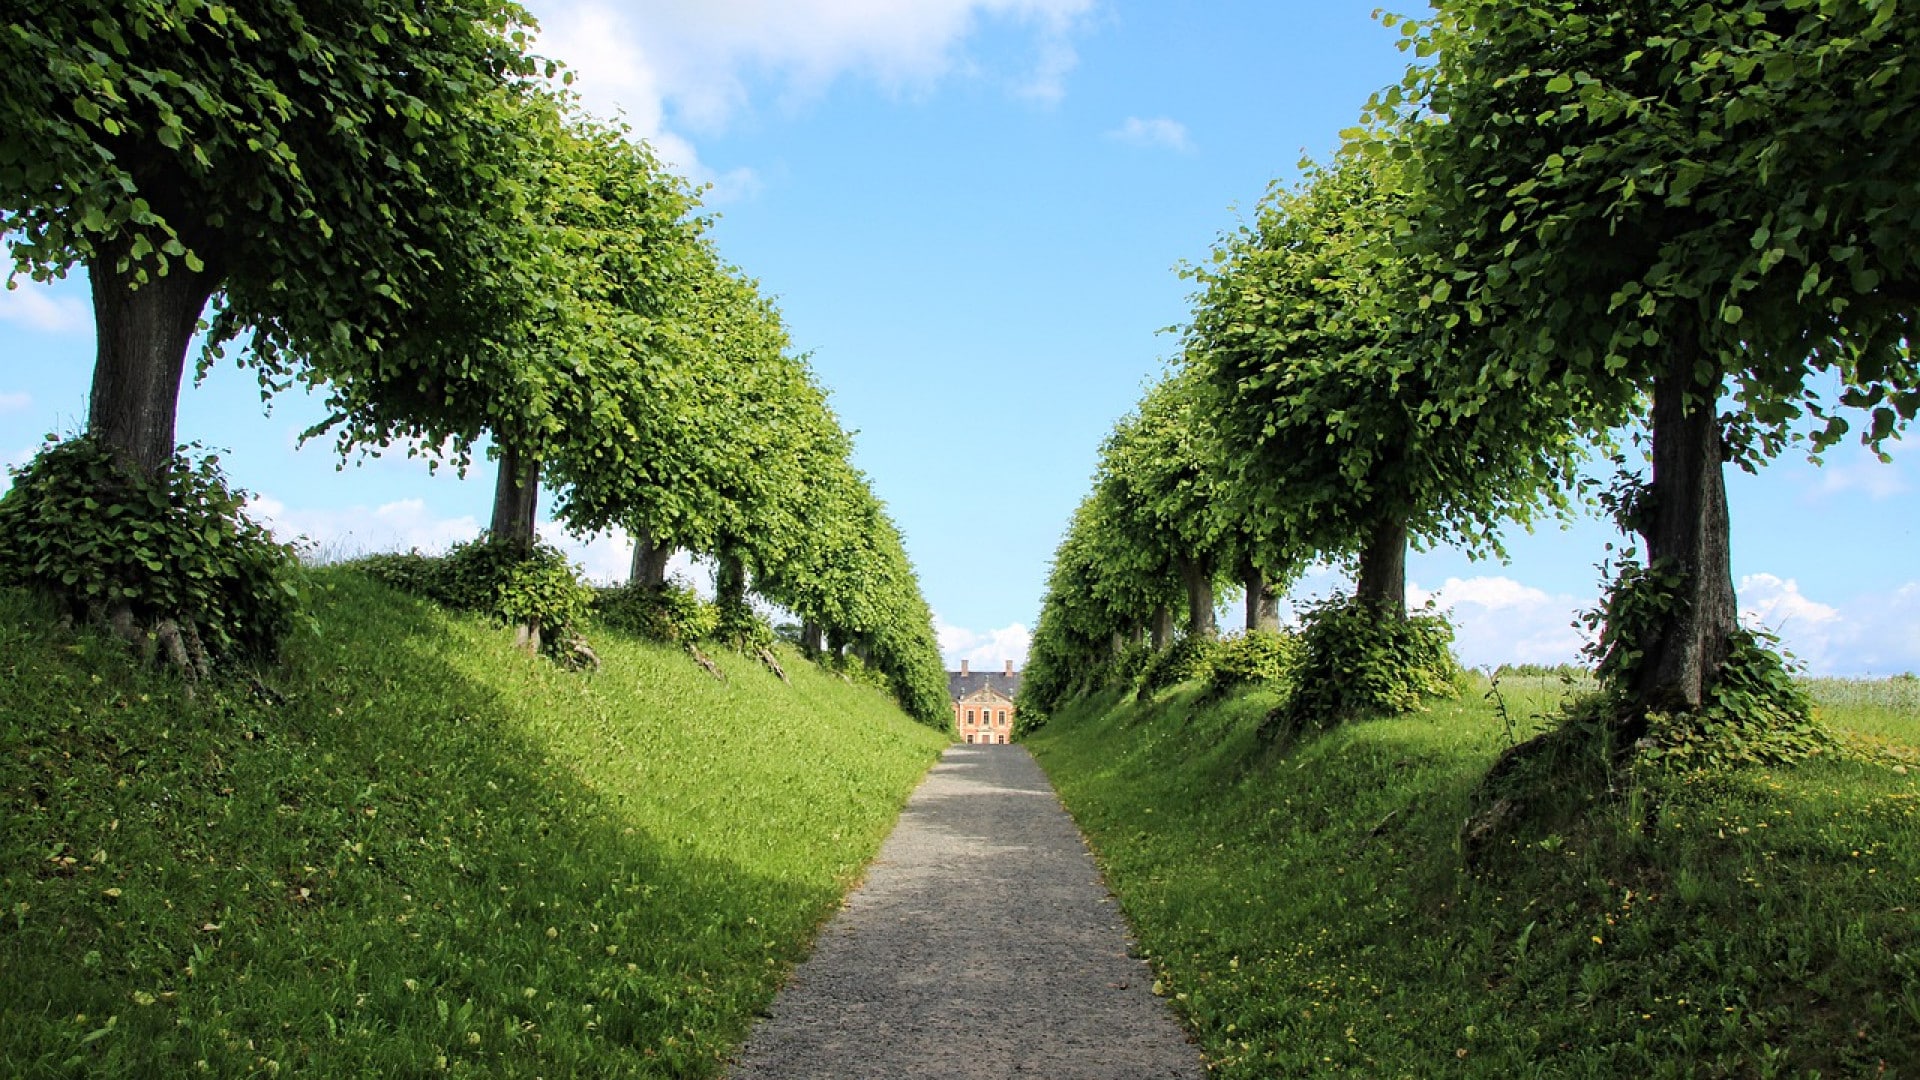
[(983, 703)]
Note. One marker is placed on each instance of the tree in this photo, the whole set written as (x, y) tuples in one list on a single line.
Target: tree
[(305, 187), (570, 353), (1161, 482), (1129, 589), (1079, 617), (1320, 391), (1692, 205)]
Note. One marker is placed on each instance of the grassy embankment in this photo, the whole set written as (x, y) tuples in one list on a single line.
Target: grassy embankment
[(1305, 907), (435, 855)]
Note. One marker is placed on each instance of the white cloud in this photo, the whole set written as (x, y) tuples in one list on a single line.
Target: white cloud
[(1058, 58), (608, 559), (1498, 620), (344, 534), (603, 560), (983, 650), (1860, 472), (687, 64), (1157, 132), (15, 402), (1873, 634), (11, 460), (44, 308), (1776, 603)]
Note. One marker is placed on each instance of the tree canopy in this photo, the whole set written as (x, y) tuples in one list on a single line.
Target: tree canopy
[(1692, 205), (1320, 366), (301, 165), (399, 209), (1160, 478)]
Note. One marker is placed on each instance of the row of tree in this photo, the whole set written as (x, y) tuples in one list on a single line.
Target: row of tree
[(402, 209), (1689, 221)]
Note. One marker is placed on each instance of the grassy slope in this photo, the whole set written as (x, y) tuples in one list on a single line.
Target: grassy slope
[(436, 855), (1305, 908)]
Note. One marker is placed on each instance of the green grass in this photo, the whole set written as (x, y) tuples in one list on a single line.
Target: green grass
[(1306, 909), (435, 856), (1887, 709)]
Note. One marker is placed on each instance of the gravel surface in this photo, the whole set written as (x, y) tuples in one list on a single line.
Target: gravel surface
[(982, 944)]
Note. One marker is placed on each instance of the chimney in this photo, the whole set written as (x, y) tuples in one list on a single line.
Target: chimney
[(1009, 669), (963, 667)]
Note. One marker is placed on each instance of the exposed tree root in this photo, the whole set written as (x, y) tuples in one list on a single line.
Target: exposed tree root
[(173, 643), (571, 651), (773, 665), (705, 661)]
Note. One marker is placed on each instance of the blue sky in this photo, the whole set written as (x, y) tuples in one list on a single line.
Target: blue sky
[(972, 212)]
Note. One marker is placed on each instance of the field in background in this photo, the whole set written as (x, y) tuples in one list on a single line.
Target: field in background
[(413, 850), (1307, 913)]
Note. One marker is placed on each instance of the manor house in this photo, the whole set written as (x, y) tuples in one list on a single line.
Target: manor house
[(983, 703)]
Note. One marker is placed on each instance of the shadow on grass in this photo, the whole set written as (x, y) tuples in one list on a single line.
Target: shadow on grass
[(381, 873)]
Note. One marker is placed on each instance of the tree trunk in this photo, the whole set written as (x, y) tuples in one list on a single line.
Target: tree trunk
[(1137, 636), (516, 490), (1263, 604), (1383, 568), (516, 493), (1162, 627), (836, 642), (1197, 576), (730, 582), (810, 639), (1687, 531), (649, 560), (140, 354)]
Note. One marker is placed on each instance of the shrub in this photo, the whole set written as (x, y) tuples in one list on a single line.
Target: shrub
[(1187, 658), (1354, 662), (739, 628), (855, 670), (1755, 714), (1257, 656), (1130, 662), (528, 586), (172, 558), (672, 613), (541, 590), (408, 571)]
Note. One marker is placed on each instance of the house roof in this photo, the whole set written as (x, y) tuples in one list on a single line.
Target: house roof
[(959, 685)]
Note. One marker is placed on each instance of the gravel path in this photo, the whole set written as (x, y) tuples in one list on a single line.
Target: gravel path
[(981, 945)]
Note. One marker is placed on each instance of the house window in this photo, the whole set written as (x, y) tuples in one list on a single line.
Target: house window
[(1003, 718), (969, 736), (969, 716)]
